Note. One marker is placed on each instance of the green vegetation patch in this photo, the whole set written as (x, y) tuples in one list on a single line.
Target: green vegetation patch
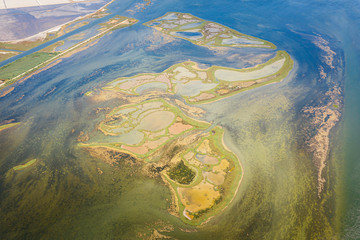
[(7, 55), (24, 64), (182, 173), (26, 45)]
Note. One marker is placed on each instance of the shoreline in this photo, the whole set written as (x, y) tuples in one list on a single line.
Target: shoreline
[(237, 188), (42, 37), (56, 28), (64, 54)]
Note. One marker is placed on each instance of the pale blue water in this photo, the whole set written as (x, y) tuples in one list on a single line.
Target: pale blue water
[(291, 25)]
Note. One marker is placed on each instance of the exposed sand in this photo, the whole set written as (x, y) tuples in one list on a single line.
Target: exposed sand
[(137, 150), (156, 143), (199, 197), (204, 96), (178, 127)]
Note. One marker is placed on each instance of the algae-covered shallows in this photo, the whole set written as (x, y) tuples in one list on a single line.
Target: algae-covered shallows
[(25, 165)]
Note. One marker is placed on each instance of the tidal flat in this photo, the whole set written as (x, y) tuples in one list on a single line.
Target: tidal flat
[(205, 180)]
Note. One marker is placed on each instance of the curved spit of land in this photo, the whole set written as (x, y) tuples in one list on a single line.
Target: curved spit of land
[(197, 85), (189, 154)]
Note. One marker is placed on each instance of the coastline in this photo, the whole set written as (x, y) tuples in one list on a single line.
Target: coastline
[(237, 188), (66, 53), (56, 28), (42, 37)]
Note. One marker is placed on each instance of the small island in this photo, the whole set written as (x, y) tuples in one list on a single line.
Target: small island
[(204, 177), (204, 33), (198, 85), (189, 154)]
